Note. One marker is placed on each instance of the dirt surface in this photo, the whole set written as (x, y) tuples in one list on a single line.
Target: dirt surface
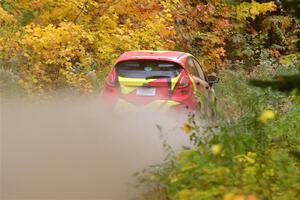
[(79, 149)]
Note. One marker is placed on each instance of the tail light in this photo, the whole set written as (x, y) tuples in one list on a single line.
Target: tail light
[(183, 81), (112, 78)]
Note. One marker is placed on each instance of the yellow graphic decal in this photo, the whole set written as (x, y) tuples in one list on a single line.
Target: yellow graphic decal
[(157, 105), (126, 90), (174, 81), (124, 106), (133, 81), (128, 85), (193, 82), (161, 105)]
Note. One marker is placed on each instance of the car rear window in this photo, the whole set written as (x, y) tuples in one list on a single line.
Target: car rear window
[(148, 69)]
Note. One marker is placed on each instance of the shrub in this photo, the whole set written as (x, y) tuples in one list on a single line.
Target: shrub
[(55, 57)]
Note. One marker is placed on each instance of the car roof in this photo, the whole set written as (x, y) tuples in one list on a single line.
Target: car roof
[(173, 56)]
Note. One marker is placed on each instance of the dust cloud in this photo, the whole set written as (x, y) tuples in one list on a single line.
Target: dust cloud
[(78, 149)]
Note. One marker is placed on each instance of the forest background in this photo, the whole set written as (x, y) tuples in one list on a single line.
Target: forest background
[(48, 46)]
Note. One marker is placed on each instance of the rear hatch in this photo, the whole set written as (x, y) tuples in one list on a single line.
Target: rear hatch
[(147, 80)]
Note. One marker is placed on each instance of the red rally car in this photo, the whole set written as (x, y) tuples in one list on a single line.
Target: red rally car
[(159, 80)]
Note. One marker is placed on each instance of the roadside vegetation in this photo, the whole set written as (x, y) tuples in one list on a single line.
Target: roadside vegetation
[(254, 154), (47, 46)]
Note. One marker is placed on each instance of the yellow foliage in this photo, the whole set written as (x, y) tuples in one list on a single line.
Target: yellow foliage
[(141, 27), (216, 149), (64, 40), (56, 55), (266, 115), (253, 9), (249, 158), (49, 11), (186, 128), (6, 18)]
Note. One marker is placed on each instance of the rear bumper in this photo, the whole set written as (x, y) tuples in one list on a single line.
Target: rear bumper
[(154, 106)]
